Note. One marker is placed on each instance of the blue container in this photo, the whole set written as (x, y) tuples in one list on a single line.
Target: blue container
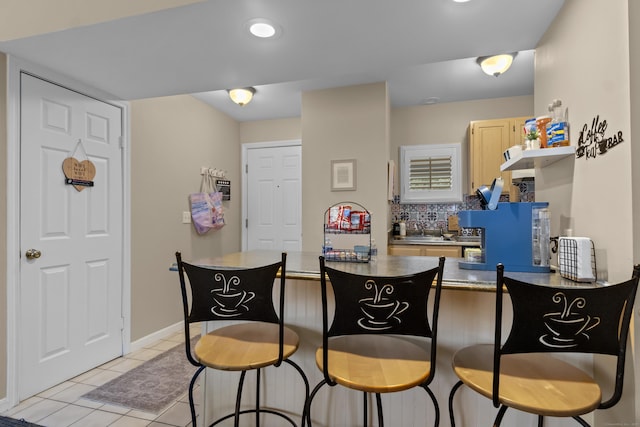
[(507, 236)]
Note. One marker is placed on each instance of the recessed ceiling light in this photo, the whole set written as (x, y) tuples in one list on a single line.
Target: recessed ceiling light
[(431, 100), (461, 1), (263, 28)]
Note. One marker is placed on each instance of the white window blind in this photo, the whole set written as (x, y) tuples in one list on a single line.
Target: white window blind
[(430, 173)]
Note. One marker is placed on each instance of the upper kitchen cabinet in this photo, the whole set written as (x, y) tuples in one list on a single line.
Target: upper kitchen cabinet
[(488, 139)]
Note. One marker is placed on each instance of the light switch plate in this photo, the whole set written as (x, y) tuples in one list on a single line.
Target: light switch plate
[(186, 217)]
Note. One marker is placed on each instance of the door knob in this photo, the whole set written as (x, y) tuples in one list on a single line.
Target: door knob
[(33, 254)]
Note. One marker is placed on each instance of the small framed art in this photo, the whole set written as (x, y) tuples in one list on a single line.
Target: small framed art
[(343, 175)]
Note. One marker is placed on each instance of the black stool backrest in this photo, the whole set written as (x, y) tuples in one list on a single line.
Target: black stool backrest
[(381, 305), (230, 294), (551, 319)]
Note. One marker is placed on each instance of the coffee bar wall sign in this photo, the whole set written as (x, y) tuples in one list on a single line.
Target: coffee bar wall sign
[(595, 140), (79, 173)]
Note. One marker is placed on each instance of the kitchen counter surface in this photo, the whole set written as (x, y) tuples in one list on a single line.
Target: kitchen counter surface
[(305, 266)]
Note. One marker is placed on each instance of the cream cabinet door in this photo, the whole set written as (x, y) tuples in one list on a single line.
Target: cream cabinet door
[(488, 140), (425, 250), (406, 250), (446, 251)]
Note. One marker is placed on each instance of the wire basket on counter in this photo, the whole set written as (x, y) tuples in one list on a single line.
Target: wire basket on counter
[(346, 255), (347, 233), (577, 259)]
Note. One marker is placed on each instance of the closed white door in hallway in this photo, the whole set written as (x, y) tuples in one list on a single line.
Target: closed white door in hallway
[(274, 199)]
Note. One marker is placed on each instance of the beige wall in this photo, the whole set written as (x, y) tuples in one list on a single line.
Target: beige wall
[(634, 72), (3, 221), (20, 19), (204, 137), (171, 139), (427, 124), (270, 130), (634, 59), (588, 69), (449, 123), (182, 134), (344, 123)]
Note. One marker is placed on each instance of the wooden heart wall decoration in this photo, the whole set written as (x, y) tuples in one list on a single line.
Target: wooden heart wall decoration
[(79, 174)]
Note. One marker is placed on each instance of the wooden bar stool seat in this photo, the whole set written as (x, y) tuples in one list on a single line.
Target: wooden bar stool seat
[(382, 338), (535, 383), (376, 364), (253, 335), (526, 372), (244, 346)]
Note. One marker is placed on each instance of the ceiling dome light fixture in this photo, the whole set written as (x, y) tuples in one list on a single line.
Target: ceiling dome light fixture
[(496, 64), (263, 28), (242, 96)]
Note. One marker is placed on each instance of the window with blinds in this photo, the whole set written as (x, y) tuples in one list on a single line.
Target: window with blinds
[(430, 173)]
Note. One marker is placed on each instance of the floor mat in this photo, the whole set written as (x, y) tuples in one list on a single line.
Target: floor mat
[(150, 387), (11, 422)]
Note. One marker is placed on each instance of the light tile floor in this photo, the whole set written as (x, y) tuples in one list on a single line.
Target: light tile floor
[(63, 406)]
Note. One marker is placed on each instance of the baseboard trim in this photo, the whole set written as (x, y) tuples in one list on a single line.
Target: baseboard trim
[(4, 404), (156, 336)]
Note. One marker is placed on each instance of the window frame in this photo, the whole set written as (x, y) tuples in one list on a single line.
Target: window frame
[(425, 151)]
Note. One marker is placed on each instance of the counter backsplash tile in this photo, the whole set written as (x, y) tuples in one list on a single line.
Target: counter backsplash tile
[(434, 216)]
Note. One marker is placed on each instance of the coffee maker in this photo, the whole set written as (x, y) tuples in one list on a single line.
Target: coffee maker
[(514, 234)]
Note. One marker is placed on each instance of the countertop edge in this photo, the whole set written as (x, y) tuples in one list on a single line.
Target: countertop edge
[(304, 266)]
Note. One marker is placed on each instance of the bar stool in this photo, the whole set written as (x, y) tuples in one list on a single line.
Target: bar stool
[(523, 374), (257, 338), (362, 350)]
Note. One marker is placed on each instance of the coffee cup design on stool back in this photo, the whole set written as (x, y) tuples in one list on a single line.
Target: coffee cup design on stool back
[(380, 312), (569, 325), (230, 302)]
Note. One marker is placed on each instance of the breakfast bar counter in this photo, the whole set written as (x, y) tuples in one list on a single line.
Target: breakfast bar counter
[(466, 317), (306, 266)]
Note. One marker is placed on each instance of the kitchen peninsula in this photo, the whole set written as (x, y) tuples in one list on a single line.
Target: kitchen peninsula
[(466, 317)]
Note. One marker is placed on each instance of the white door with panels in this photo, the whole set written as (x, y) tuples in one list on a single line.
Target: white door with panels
[(71, 236), (274, 198)]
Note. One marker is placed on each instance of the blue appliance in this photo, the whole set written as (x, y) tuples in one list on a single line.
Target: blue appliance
[(514, 234)]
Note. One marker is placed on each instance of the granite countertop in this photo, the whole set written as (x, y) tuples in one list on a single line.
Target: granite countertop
[(306, 266)]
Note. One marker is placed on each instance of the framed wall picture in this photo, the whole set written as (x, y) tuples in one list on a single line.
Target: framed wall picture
[(343, 175)]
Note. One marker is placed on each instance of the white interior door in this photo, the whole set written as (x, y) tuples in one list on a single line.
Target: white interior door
[(71, 295), (274, 198)]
